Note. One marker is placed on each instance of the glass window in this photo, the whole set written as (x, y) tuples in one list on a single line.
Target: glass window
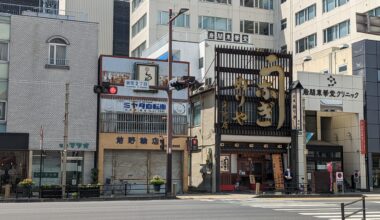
[(2, 110), (138, 51), (4, 31), (181, 21), (3, 51), (378, 75), (329, 5), (337, 31), (283, 24), (139, 25), (247, 27), (136, 4), (218, 1), (344, 29), (215, 23), (306, 43), (342, 68), (57, 54), (246, 3), (305, 14), (197, 114), (3, 90)]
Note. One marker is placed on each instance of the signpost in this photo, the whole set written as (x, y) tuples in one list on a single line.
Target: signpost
[(339, 180), (136, 84)]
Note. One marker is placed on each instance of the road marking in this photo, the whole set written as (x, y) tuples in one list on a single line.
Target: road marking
[(312, 209)]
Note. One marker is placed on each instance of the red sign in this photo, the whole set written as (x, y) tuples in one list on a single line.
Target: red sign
[(363, 139)]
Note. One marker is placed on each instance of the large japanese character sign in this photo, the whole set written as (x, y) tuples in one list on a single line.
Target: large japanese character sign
[(269, 94)]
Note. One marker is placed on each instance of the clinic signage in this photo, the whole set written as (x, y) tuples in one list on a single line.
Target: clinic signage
[(228, 37)]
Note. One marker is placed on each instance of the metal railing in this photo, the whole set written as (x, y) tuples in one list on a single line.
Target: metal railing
[(342, 207), (58, 62), (117, 122), (42, 12)]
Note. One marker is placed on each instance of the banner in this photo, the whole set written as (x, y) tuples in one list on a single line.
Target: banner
[(141, 106), (363, 139)]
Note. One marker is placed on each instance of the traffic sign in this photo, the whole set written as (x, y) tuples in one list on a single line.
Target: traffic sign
[(339, 176), (136, 84)]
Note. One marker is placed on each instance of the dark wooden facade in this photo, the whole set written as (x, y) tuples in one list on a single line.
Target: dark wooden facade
[(253, 99), (232, 63)]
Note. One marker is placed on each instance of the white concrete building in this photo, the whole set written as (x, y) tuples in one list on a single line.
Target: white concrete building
[(149, 21)]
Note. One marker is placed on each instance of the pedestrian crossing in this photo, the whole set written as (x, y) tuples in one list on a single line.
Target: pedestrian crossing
[(315, 209)]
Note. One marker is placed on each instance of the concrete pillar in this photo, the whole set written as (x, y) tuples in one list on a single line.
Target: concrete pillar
[(101, 165), (301, 156), (30, 165)]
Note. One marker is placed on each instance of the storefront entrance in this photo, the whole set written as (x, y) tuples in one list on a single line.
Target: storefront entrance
[(242, 171), (13, 158), (376, 171), (137, 167)]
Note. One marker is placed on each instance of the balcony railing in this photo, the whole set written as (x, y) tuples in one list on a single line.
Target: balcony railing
[(42, 12), (58, 62)]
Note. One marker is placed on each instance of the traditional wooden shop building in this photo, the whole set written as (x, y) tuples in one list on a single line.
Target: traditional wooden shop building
[(243, 122)]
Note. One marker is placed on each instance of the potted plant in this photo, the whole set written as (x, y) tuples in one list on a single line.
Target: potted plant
[(157, 181), (89, 190), (26, 186), (51, 191)]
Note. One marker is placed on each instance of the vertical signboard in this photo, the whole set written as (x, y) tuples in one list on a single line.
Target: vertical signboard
[(363, 149), (277, 171)]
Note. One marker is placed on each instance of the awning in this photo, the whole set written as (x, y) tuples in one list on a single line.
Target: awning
[(256, 139), (166, 55)]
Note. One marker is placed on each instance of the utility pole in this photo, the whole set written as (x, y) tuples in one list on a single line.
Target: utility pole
[(169, 120), (66, 129), (41, 147)]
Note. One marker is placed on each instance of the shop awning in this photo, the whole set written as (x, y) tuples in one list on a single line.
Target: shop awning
[(14, 141)]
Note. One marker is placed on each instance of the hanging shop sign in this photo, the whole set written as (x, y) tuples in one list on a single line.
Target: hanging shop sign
[(225, 163), (76, 145), (252, 92), (363, 139), (141, 106)]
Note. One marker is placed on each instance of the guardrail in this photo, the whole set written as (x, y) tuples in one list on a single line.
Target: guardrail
[(342, 206)]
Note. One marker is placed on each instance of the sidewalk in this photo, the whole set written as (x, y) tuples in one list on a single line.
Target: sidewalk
[(238, 196), (101, 198)]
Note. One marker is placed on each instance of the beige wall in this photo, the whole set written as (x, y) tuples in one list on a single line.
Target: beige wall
[(344, 130), (100, 11), (206, 137), (108, 141)]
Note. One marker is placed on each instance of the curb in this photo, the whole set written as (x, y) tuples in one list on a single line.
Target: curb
[(134, 198), (310, 196)]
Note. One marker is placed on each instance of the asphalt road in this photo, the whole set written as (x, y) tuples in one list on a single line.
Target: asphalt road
[(258, 209)]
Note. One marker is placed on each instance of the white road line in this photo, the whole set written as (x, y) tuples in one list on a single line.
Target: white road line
[(351, 217), (330, 213), (312, 209)]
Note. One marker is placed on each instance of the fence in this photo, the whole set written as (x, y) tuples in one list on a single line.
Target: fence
[(42, 12), (342, 207)]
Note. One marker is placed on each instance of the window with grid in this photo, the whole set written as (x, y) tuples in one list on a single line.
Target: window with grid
[(214, 23), (306, 43), (57, 52), (139, 25), (181, 21), (336, 32), (306, 14)]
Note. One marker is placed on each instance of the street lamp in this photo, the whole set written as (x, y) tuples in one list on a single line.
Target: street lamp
[(169, 122)]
